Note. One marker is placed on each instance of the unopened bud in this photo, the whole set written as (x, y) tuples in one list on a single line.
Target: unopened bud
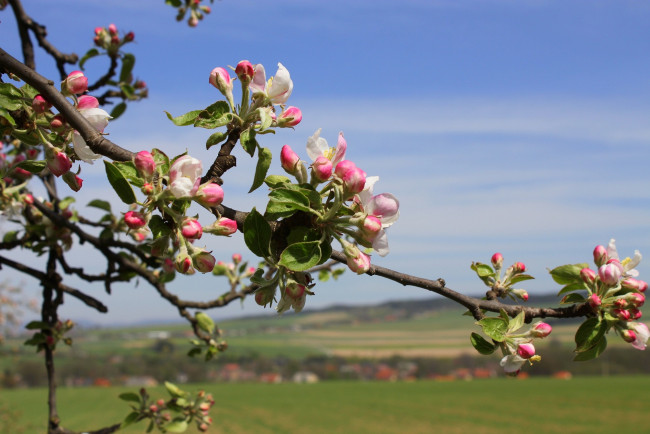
[(600, 255), (588, 276), (594, 301), (526, 351), (497, 260), (541, 330)]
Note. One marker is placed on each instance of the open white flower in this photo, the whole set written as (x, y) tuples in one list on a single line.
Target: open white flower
[(318, 147), (512, 363), (278, 88), (628, 264), (185, 176), (98, 118)]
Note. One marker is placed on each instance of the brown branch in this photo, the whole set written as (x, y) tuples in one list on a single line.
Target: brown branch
[(25, 41), (224, 160), (106, 77), (93, 138)]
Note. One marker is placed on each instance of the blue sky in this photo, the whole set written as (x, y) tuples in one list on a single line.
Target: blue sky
[(501, 125)]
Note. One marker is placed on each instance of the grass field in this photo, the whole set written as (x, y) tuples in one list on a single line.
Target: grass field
[(581, 405)]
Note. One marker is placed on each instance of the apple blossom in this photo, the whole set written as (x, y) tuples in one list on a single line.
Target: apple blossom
[(87, 102), (518, 267), (58, 162), (588, 275), (541, 330), (290, 117), (135, 220), (526, 350), (278, 89), (245, 71), (185, 176), (317, 147), (112, 29), (75, 83), (610, 273), (642, 334), (223, 226), (634, 284), (98, 118), (628, 265), (209, 195), (497, 258), (621, 314), (594, 301), (289, 160), (220, 78), (512, 363), (384, 205), (353, 178), (637, 299), (73, 181), (295, 290), (322, 168), (600, 255), (357, 261), (191, 229), (145, 164), (184, 264), (628, 336), (40, 104), (203, 262)]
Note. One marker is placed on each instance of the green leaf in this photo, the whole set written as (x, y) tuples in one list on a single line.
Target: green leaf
[(593, 352), (265, 118), (326, 252), (495, 328), (215, 139), (10, 236), (301, 256), (101, 204), (162, 161), (174, 3), (89, 54), (37, 325), (205, 322), (517, 322), (567, 274), (520, 278), (173, 390), (257, 234), (482, 346), (573, 299), (158, 226), (577, 286), (118, 110), (324, 275), (5, 114), (119, 183), (264, 157), (184, 120), (10, 97), (292, 198), (128, 61), (28, 137), (276, 181), (130, 419), (177, 425), (214, 116), (33, 166), (589, 333), (130, 172), (130, 397), (248, 142)]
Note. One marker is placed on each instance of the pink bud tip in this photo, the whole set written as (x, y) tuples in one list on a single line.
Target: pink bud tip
[(497, 259), (594, 301), (144, 163), (245, 71), (191, 229), (40, 105), (541, 330), (588, 275), (289, 159), (526, 351), (135, 220), (518, 267), (600, 255)]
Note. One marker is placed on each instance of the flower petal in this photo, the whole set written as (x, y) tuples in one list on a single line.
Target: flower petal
[(82, 149), (316, 146), (380, 243), (258, 84), (341, 147)]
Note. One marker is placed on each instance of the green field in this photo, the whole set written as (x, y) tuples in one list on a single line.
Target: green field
[(582, 405)]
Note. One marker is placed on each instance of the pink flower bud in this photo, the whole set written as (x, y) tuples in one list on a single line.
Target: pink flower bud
[(73, 181), (620, 303), (87, 102), (354, 179), (236, 258), (600, 255), (526, 351), (371, 227), (642, 334), (245, 71), (191, 229), (145, 164), (223, 226), (263, 297), (621, 314), (290, 117), (610, 273), (521, 293), (40, 105), (184, 264), (518, 267), (294, 290), (497, 260), (541, 330), (289, 160), (58, 163), (168, 265), (357, 261), (112, 29), (220, 79), (634, 284), (322, 168), (209, 195), (204, 262), (628, 336), (147, 189), (588, 275), (75, 83), (635, 313), (57, 122), (28, 199), (135, 220), (594, 301), (98, 30), (636, 299), (129, 37)]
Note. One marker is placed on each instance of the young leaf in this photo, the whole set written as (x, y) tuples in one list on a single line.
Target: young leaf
[(89, 54), (592, 352), (264, 157), (517, 322), (32, 166), (205, 322), (177, 425), (173, 390), (566, 274), (161, 159), (130, 419), (130, 172), (520, 278), (184, 120), (572, 299), (589, 333), (257, 234), (118, 110), (101, 204), (482, 346), (495, 328), (128, 61), (130, 397), (119, 183), (301, 256), (577, 286), (215, 139), (248, 142), (276, 181)]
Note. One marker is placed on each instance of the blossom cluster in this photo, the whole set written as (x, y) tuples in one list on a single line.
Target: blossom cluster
[(109, 39), (615, 293), (503, 285)]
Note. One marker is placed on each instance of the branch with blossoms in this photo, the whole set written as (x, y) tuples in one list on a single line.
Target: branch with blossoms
[(321, 203)]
